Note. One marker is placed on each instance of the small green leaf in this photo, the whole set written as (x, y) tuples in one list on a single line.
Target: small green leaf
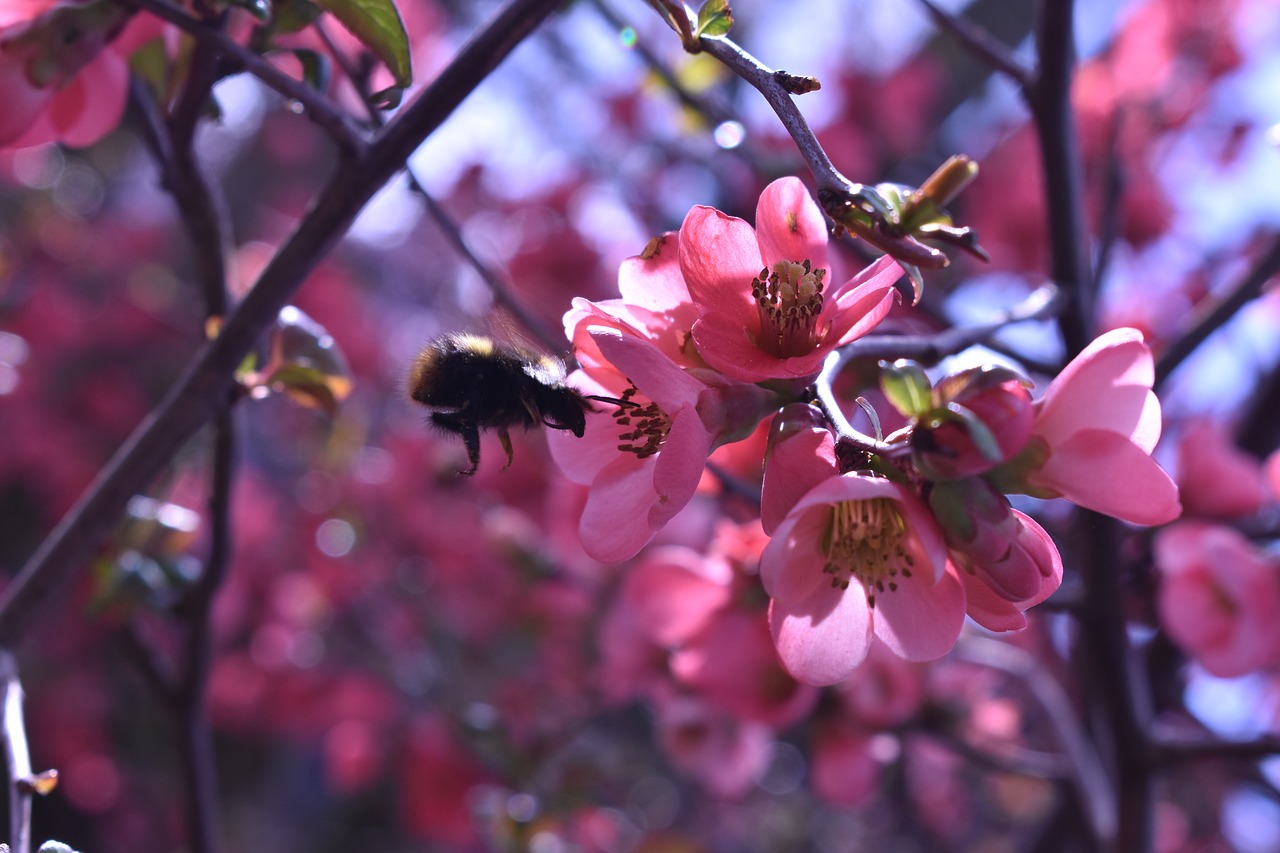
[(715, 18), (379, 27), (907, 387), (292, 16)]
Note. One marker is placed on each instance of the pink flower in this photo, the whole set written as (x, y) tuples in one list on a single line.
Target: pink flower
[(999, 546), (60, 79), (725, 754), (859, 556), (767, 310), (1096, 427), (1219, 599), (1215, 478), (655, 305), (643, 458), (993, 608), (947, 451)]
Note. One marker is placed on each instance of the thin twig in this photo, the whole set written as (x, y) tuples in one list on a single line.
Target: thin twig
[(1091, 781), (17, 758), (1212, 313), (1041, 304), (980, 43), (770, 85), (317, 106), (498, 283), (1171, 749), (201, 392)]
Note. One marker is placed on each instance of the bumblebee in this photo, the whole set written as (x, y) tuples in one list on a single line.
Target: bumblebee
[(473, 383)]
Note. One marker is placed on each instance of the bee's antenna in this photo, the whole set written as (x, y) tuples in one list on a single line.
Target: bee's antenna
[(614, 400)]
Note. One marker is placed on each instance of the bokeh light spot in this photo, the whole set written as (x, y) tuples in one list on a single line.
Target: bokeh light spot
[(729, 134), (335, 537)]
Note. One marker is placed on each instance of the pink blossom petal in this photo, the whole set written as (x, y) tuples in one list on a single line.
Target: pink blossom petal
[(1215, 478), (791, 564), (795, 465), (673, 593), (822, 639), (729, 346), (654, 374), (883, 272), (861, 311), (656, 282), (678, 466), (719, 257), (615, 522), (1117, 368), (918, 622), (789, 225), (22, 101), (991, 611), (1106, 472)]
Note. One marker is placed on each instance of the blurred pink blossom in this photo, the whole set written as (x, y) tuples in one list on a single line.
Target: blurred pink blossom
[(767, 310), (1215, 478), (1219, 599)]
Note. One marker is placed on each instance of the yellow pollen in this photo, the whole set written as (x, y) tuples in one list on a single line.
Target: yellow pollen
[(867, 540), (789, 299), (644, 428)]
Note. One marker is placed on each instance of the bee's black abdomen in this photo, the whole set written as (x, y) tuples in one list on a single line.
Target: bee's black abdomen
[(472, 384)]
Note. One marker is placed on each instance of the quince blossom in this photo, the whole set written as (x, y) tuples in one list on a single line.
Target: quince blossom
[(1219, 599), (644, 455), (859, 556), (1094, 430), (766, 307)]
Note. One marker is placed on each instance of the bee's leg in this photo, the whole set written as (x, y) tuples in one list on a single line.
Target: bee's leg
[(505, 438), (470, 436)]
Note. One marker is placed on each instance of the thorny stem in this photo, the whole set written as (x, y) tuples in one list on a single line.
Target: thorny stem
[(200, 393), (17, 759)]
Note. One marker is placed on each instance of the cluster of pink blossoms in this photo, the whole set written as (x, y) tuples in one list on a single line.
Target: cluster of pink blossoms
[(720, 325)]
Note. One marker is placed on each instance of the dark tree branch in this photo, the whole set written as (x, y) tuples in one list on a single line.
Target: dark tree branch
[(319, 108), (202, 390), (1171, 750), (980, 43), (1213, 312), (771, 85)]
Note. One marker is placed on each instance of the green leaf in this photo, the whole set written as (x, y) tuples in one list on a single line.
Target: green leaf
[(715, 18), (379, 27), (907, 387), (292, 16)]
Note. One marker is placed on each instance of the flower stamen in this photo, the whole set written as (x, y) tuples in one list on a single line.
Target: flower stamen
[(867, 540), (645, 427), (789, 299)]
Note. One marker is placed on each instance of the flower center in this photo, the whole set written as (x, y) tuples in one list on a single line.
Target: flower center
[(867, 540), (644, 427), (789, 299)]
